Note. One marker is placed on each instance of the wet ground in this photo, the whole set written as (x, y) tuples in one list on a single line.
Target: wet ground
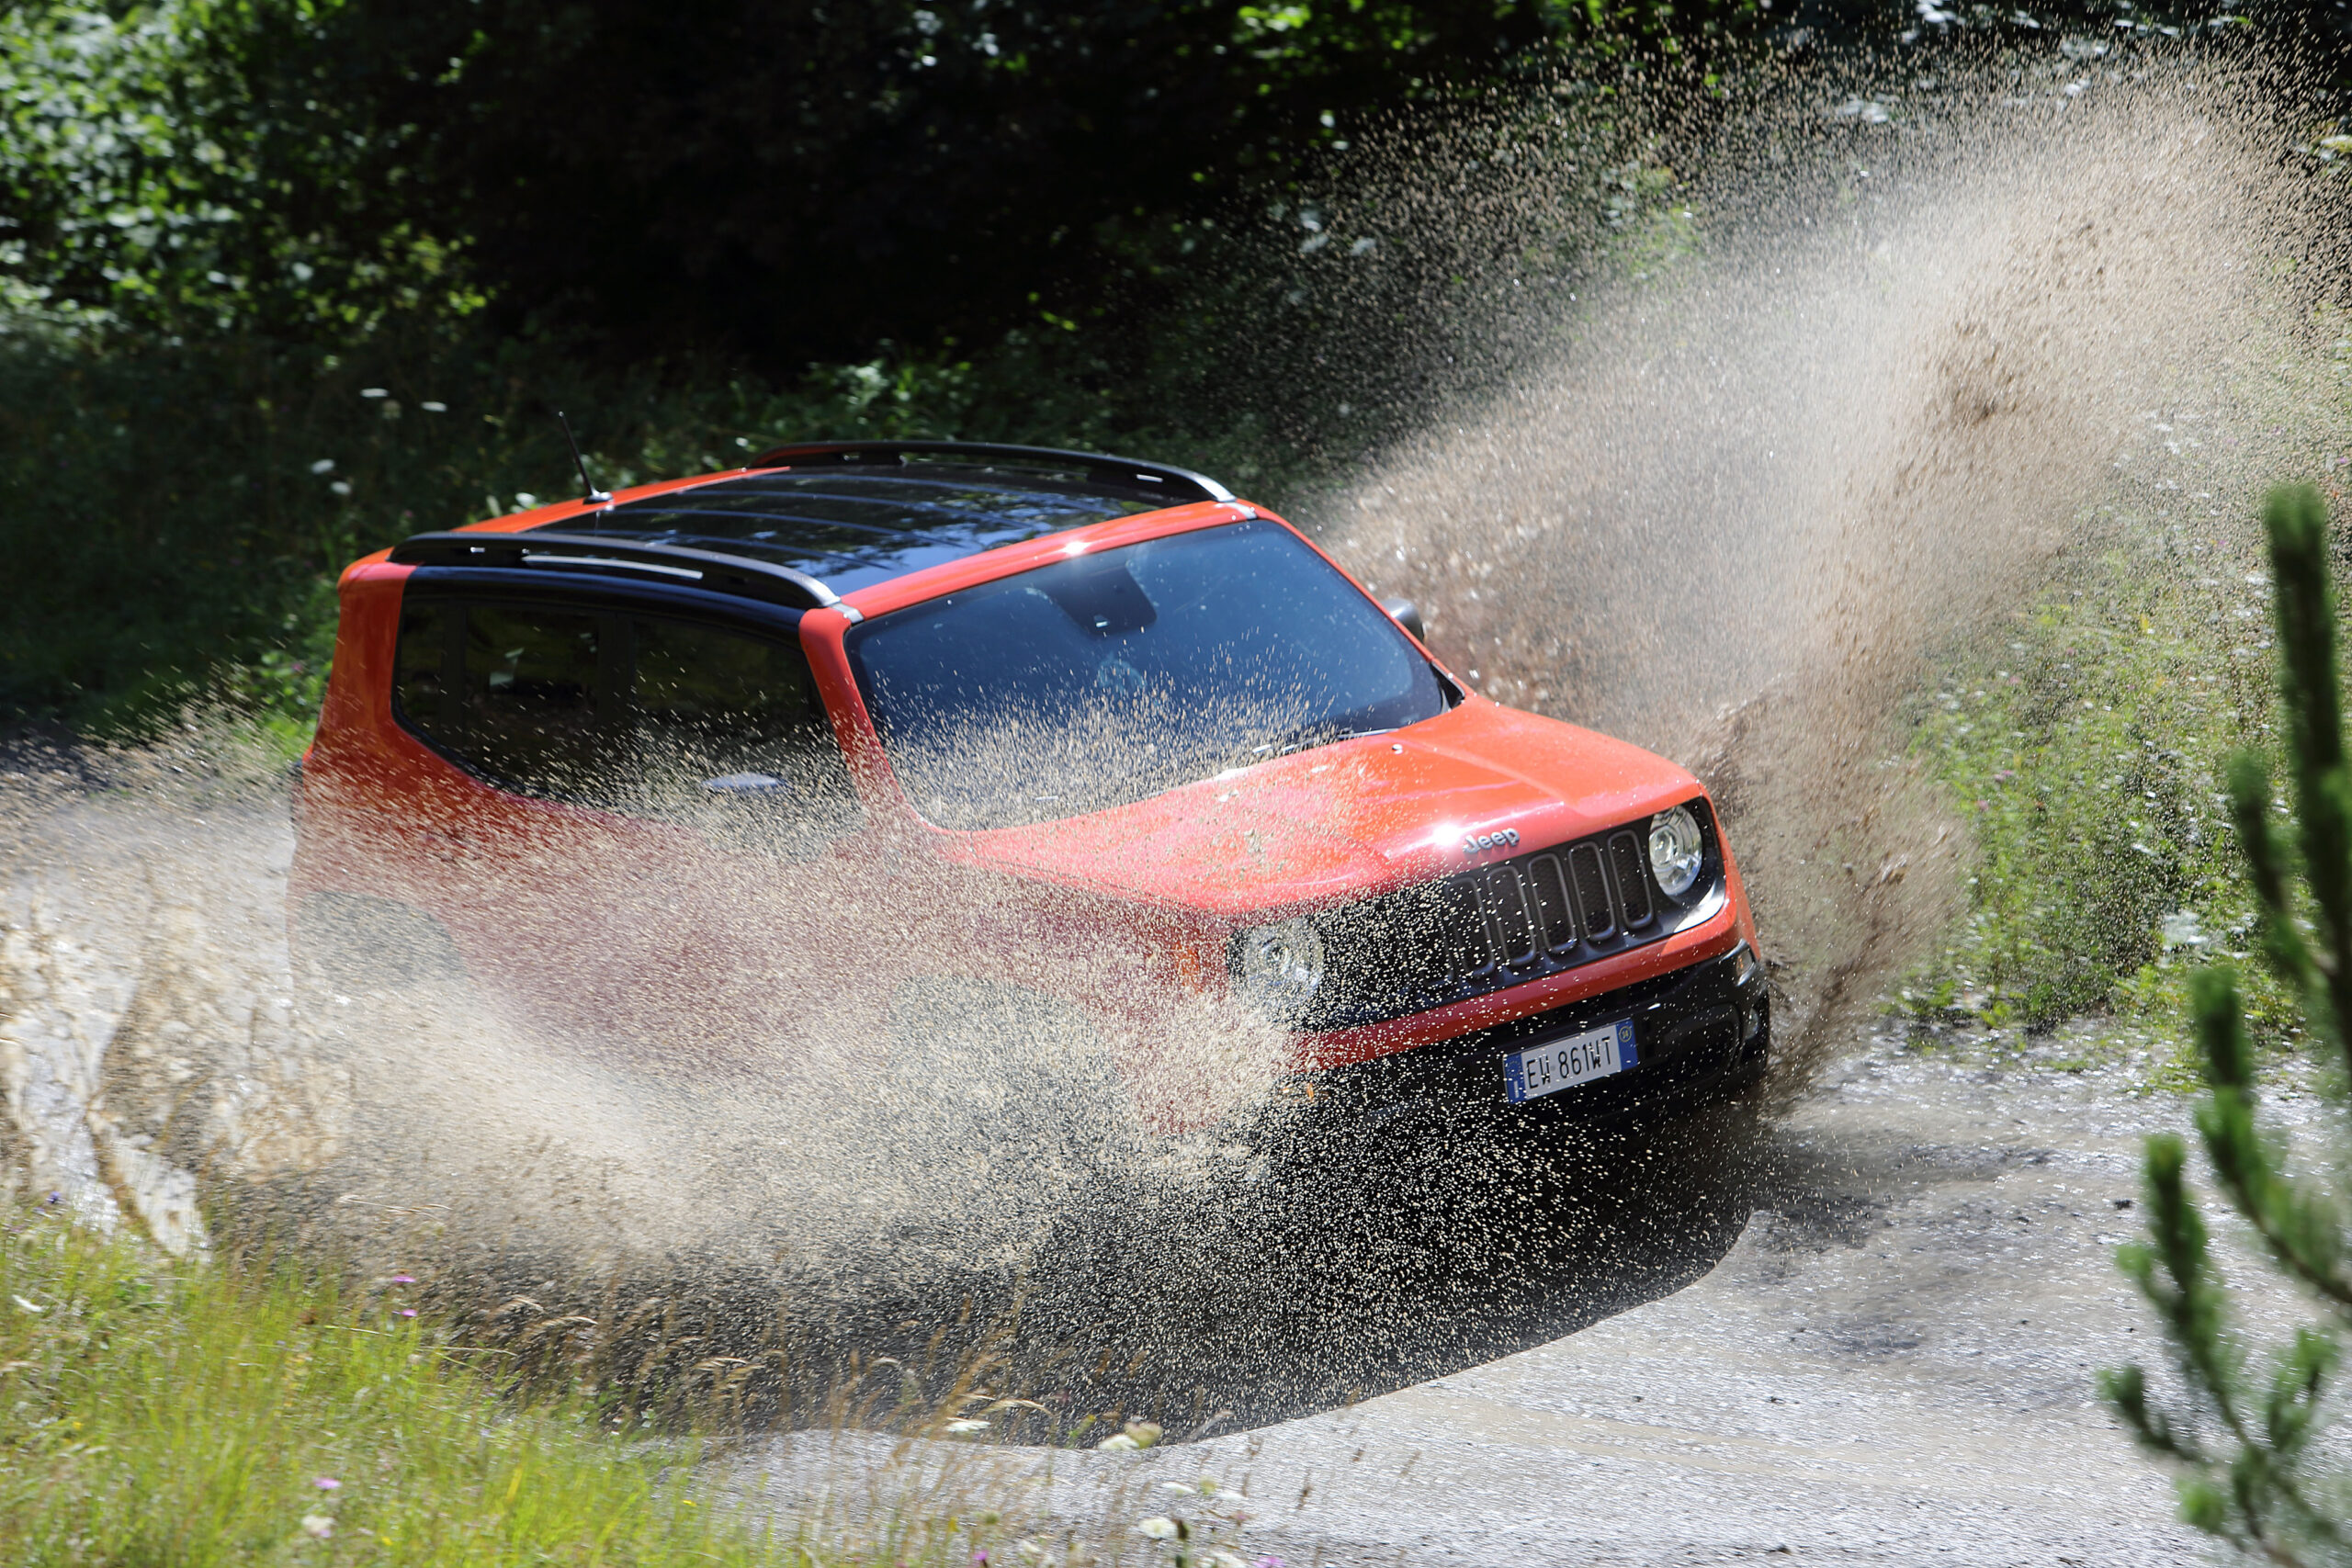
[(1893, 1362)]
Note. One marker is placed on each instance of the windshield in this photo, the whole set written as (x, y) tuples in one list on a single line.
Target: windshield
[(1112, 676)]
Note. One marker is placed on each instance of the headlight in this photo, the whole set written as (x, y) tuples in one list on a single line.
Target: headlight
[(1676, 851), (1279, 967)]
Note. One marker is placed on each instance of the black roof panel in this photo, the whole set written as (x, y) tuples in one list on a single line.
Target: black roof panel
[(857, 514)]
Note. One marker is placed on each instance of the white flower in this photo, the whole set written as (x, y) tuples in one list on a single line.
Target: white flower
[(431, 407), (320, 1525), (1118, 1443), (964, 1425), (324, 466), (38, 1310), (374, 392), (1207, 1486), (1159, 1527), (525, 499), (1031, 1549), (341, 486)]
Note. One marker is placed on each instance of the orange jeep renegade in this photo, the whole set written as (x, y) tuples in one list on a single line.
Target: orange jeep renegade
[(687, 767)]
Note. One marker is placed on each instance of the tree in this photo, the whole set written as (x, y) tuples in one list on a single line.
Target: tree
[(2246, 1439), (779, 179)]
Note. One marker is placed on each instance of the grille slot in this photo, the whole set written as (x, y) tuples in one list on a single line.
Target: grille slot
[(1509, 918), (1551, 887), (1493, 926), (1592, 892), (1633, 880)]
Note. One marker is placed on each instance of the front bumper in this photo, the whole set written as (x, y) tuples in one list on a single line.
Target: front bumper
[(1701, 1031)]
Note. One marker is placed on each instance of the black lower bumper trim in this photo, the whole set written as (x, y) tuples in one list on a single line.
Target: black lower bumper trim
[(1699, 1032)]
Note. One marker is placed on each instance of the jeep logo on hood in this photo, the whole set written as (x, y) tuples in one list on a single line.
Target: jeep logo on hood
[(1476, 842)]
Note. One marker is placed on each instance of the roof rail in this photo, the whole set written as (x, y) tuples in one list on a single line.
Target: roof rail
[(1127, 474), (674, 563)]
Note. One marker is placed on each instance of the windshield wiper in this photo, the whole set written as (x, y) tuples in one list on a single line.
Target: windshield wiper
[(1311, 735)]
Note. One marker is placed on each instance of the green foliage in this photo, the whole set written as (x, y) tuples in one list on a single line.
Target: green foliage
[(2088, 755), (202, 167), (784, 181), (2248, 1439)]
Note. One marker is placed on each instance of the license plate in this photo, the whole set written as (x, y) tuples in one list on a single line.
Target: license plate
[(1570, 1060)]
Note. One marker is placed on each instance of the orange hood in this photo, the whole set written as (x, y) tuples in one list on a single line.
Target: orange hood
[(1347, 820)]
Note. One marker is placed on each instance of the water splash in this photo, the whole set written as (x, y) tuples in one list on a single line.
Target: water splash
[(1881, 377)]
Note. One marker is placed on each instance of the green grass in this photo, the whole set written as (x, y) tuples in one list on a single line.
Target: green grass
[(193, 1413), (2086, 749), (242, 1410)]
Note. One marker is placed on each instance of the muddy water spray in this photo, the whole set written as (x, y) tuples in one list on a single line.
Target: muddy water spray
[(1848, 430), (1725, 511)]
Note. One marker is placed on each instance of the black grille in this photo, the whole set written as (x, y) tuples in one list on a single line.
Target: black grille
[(1501, 925)]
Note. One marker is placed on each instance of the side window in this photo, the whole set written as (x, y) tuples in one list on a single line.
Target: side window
[(527, 699), (670, 718), (418, 687), (729, 733), (701, 688)]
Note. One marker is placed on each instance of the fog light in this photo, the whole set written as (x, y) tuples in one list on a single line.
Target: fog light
[(1279, 968), (1676, 851)]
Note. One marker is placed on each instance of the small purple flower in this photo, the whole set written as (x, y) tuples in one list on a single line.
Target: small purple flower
[(408, 1311), (981, 1559), (1270, 1562), (56, 1196), (403, 1279), (326, 1484)]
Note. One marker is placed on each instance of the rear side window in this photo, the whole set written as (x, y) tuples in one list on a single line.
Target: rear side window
[(418, 687), (655, 716), (527, 700)]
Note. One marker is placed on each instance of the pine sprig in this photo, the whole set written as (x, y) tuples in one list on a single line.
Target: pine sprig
[(2303, 1228), (2281, 941), (2312, 687), (2246, 1444)]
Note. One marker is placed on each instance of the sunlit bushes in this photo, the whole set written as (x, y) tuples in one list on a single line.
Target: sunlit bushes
[(2085, 752)]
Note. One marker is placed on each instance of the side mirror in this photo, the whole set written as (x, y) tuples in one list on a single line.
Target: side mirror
[(1407, 614)]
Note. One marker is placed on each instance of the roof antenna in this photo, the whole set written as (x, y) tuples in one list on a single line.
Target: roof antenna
[(594, 497)]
